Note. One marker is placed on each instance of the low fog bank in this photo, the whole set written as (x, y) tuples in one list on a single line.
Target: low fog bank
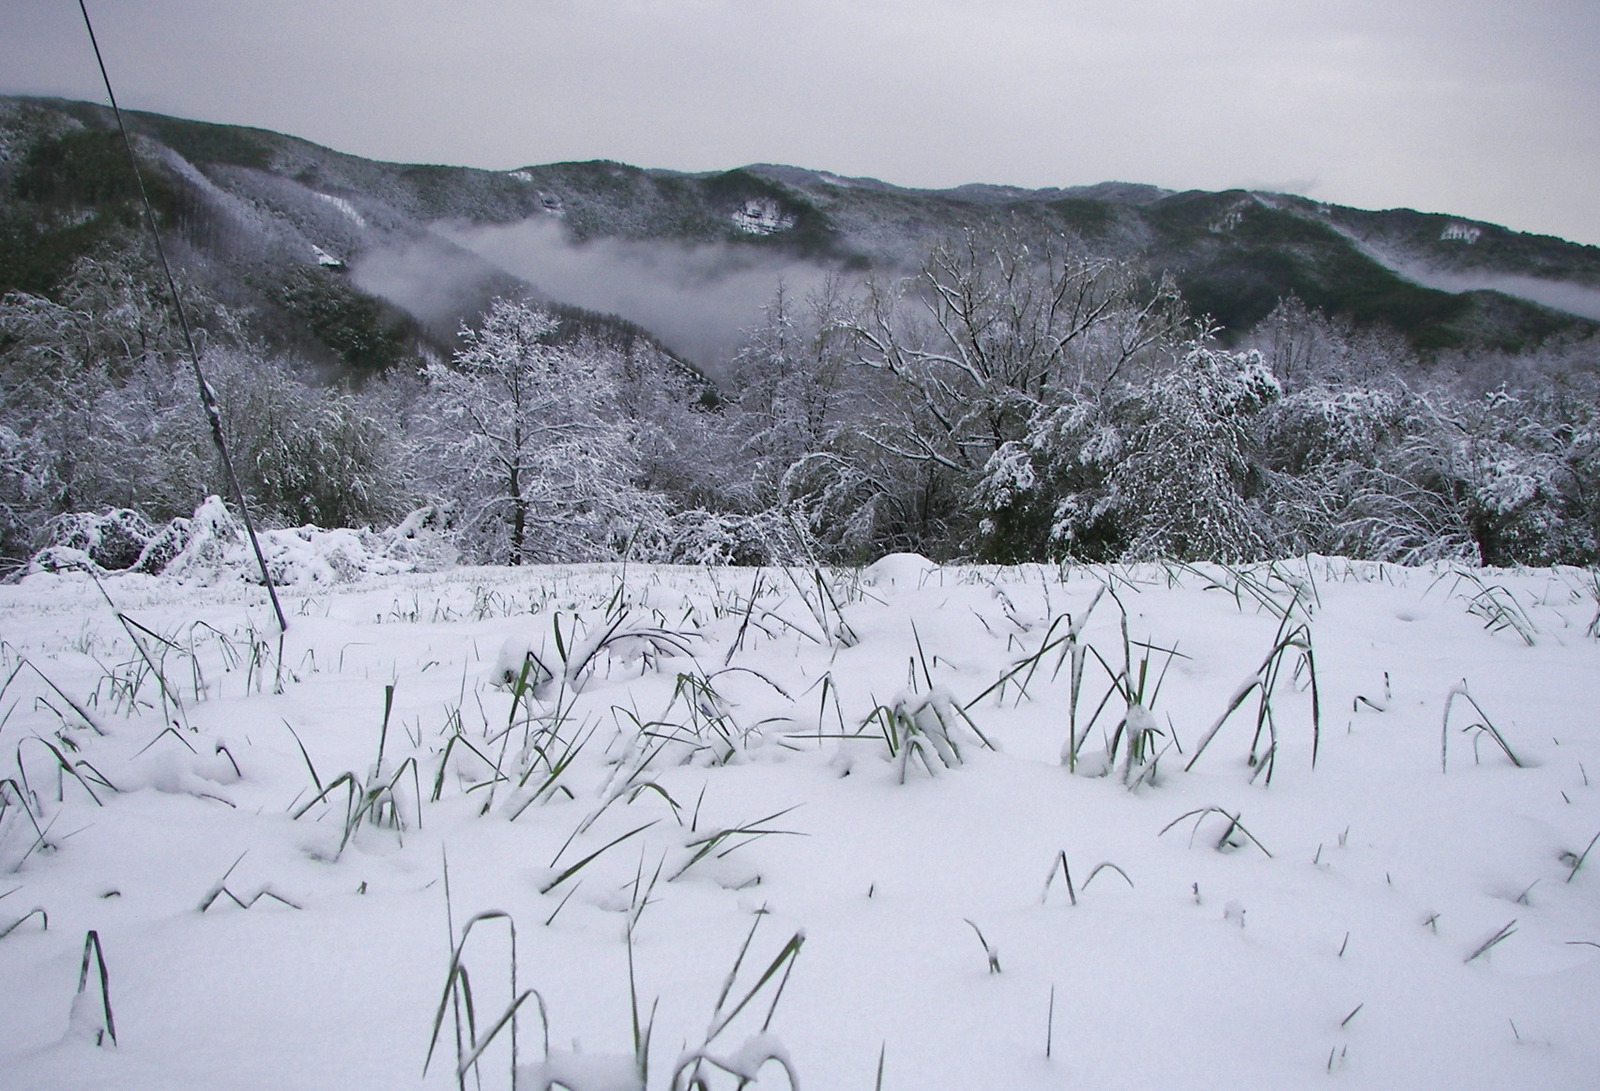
[(1555, 294), (439, 283), (1558, 295), (698, 300)]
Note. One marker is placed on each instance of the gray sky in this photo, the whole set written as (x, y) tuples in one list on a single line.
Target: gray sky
[(1481, 108)]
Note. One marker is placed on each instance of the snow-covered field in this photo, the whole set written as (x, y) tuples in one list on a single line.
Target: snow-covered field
[(752, 814)]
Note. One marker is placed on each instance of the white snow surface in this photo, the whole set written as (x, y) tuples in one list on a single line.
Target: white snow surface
[(345, 207), (256, 830)]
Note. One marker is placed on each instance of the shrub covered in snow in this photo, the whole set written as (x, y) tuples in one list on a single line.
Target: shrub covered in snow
[(212, 547)]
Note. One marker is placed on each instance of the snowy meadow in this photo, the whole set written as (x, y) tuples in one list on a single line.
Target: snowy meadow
[(908, 827)]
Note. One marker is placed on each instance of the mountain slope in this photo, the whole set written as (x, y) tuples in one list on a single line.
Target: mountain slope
[(277, 224)]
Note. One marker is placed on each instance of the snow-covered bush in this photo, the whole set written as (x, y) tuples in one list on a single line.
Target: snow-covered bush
[(98, 410), (1320, 426), (113, 541), (701, 537), (305, 455), (1184, 487), (211, 547), (15, 490), (1529, 467), (1050, 495), (848, 512)]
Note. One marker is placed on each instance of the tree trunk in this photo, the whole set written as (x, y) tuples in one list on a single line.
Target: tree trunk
[(519, 514)]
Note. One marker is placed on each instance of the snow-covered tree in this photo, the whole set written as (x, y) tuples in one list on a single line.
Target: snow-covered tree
[(789, 383), (682, 443), (1305, 346), (1184, 483), (984, 345), (986, 334), (531, 445), (64, 363)]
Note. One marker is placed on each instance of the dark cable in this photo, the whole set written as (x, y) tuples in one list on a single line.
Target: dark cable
[(208, 398)]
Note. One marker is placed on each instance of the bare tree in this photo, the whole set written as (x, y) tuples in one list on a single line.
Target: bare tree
[(985, 341), (985, 335)]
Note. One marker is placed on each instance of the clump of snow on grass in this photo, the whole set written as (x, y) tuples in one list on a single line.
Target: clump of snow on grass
[(581, 1072)]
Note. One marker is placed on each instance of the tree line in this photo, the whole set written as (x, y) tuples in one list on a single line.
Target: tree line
[(1012, 400)]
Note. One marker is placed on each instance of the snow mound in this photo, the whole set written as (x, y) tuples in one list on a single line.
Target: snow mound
[(898, 570)]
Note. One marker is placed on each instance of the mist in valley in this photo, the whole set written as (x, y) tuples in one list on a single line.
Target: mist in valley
[(1556, 294), (437, 282), (698, 299)]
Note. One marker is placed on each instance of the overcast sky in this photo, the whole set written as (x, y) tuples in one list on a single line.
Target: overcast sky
[(1482, 108)]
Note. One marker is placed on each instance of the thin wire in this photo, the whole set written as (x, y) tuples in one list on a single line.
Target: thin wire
[(208, 398)]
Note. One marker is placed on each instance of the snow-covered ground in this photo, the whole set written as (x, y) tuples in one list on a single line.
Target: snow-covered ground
[(277, 844)]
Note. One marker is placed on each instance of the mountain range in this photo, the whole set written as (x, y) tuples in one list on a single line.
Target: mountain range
[(356, 264)]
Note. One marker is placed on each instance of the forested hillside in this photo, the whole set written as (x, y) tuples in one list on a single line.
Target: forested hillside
[(986, 373)]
